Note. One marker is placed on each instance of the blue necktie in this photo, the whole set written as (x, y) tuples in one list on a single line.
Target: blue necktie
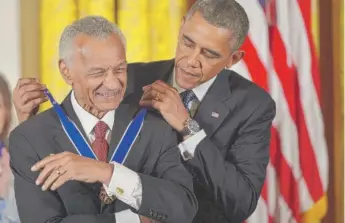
[(188, 97)]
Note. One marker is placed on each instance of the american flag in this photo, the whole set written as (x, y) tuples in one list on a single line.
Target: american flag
[(281, 58)]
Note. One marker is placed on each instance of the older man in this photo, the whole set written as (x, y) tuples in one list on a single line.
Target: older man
[(151, 182), (223, 120)]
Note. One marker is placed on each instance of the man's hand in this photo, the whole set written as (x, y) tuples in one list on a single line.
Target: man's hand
[(147, 220), (27, 96), (167, 101), (60, 168)]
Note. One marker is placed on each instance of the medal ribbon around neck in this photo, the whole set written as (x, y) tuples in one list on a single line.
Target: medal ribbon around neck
[(80, 143)]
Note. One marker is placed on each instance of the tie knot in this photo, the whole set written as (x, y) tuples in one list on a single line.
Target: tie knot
[(187, 97), (100, 130)]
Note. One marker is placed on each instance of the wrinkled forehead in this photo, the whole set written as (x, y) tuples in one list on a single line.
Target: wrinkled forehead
[(108, 50)]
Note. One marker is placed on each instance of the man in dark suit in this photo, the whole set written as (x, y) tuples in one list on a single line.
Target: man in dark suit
[(152, 182), (223, 119)]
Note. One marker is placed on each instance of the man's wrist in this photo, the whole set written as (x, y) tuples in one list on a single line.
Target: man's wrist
[(144, 219), (191, 127), (106, 172), (186, 137)]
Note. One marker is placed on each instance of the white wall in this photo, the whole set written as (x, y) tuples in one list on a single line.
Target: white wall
[(10, 63)]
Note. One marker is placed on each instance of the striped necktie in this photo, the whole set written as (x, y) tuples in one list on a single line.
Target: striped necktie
[(188, 97)]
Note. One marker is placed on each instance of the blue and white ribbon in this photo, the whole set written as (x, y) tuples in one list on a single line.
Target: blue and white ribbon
[(80, 143)]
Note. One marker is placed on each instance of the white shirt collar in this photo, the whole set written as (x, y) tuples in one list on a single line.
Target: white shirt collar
[(89, 121), (199, 91)]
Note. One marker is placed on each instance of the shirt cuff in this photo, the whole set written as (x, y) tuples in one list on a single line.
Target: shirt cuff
[(187, 147), (126, 216), (126, 185)]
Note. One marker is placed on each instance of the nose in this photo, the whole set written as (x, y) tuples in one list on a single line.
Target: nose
[(111, 81), (193, 60)]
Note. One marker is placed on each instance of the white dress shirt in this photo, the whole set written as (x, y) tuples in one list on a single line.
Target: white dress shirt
[(125, 184), (187, 147)]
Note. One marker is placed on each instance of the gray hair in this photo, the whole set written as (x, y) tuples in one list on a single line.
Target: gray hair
[(224, 14), (95, 26)]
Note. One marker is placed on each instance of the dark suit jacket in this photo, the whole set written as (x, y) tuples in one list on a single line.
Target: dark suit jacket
[(229, 166), (167, 186)]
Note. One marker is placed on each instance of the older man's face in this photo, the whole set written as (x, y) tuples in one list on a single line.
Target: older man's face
[(98, 72)]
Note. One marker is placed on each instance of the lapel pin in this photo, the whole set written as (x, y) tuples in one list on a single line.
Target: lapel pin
[(215, 114)]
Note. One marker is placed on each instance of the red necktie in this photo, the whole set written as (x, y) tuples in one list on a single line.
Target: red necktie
[(100, 148), (100, 145)]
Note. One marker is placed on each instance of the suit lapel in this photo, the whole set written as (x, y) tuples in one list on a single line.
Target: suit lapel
[(166, 72), (123, 116), (60, 136), (213, 110)]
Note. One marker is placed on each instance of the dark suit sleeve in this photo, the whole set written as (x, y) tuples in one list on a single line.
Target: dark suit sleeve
[(168, 194), (235, 182), (35, 205)]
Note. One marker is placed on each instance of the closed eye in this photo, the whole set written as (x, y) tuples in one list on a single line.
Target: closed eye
[(120, 70), (187, 41), (96, 74)]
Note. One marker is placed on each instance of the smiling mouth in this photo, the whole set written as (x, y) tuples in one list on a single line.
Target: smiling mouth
[(109, 94)]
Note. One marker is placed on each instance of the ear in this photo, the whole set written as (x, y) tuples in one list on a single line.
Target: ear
[(65, 72), (183, 20), (235, 58)]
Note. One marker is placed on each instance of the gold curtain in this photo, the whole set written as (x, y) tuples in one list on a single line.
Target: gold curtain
[(54, 17), (132, 17), (151, 27), (105, 8), (165, 19)]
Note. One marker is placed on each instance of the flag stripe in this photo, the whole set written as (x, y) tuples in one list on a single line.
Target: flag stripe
[(302, 58), (287, 127), (254, 64), (287, 182), (288, 78), (305, 8), (280, 57), (255, 67)]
